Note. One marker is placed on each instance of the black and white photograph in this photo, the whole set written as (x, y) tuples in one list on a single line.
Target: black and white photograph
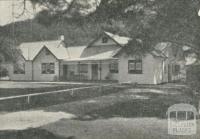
[(99, 69)]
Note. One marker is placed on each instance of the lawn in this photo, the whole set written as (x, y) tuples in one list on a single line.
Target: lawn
[(125, 115), (120, 114), (22, 88), (52, 98)]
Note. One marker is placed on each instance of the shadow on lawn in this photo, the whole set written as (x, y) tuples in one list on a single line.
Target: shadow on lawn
[(156, 106), (53, 99), (31, 134)]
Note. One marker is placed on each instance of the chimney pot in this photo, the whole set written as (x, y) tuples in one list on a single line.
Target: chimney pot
[(62, 37)]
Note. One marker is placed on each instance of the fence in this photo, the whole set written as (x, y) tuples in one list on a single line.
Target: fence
[(54, 97)]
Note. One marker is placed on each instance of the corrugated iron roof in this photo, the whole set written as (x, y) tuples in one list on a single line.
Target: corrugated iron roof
[(75, 51), (31, 49), (161, 46), (158, 54), (119, 39), (101, 56)]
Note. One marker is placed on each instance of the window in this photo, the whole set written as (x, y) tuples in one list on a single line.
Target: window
[(173, 115), (181, 115), (104, 39), (48, 68), (83, 68), (135, 66), (19, 68), (190, 115), (114, 67)]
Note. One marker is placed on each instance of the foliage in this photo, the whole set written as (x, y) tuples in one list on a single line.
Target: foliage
[(193, 77), (140, 44), (7, 49), (150, 21)]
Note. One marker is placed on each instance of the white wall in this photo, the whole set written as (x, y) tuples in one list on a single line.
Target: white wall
[(37, 67), (151, 74)]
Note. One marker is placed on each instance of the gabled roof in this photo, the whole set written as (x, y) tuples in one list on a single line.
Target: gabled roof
[(31, 49), (162, 46), (157, 53), (119, 39)]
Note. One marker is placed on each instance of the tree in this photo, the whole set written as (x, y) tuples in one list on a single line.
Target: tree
[(163, 20), (7, 49), (140, 43)]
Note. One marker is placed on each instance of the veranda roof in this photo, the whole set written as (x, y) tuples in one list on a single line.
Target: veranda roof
[(105, 56)]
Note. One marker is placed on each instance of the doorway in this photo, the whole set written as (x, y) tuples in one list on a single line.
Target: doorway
[(94, 71), (65, 72)]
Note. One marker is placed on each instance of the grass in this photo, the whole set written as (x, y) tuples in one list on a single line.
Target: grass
[(52, 99), (155, 106), (122, 119), (5, 92), (29, 134)]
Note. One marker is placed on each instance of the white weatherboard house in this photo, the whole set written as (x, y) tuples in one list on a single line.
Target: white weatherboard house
[(102, 59)]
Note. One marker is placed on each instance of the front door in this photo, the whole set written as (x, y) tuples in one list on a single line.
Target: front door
[(65, 72), (94, 71)]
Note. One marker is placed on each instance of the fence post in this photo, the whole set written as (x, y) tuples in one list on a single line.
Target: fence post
[(72, 93), (28, 99), (100, 88), (199, 108)]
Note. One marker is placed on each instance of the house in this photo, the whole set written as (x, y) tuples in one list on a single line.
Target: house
[(39, 61), (175, 58), (102, 59)]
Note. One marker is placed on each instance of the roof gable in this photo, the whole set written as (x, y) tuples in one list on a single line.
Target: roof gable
[(43, 50), (32, 49), (115, 39), (121, 40)]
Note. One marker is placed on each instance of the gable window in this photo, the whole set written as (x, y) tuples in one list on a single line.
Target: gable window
[(114, 67), (104, 39), (83, 68), (19, 68), (135, 65), (48, 68)]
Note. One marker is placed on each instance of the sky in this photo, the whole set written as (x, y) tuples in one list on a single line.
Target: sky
[(6, 11)]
